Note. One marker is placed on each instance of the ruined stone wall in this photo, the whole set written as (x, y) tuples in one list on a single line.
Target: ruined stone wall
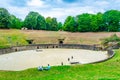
[(45, 46), (6, 50), (110, 52)]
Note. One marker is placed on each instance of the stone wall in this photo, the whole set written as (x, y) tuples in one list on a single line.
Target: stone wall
[(43, 46), (110, 54), (6, 50)]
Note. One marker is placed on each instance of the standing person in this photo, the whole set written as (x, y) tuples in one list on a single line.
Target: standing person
[(71, 57), (61, 63), (68, 59)]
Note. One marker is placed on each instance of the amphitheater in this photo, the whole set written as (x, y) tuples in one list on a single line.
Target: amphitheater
[(24, 57)]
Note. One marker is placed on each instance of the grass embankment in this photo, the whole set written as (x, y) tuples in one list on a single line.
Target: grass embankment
[(109, 70), (46, 37), (11, 38)]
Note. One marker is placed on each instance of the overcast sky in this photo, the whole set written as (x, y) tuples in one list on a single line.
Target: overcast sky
[(58, 8)]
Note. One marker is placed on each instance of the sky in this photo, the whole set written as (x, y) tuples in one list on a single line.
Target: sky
[(58, 8)]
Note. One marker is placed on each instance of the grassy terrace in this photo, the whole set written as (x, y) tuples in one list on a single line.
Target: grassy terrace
[(109, 70), (11, 37)]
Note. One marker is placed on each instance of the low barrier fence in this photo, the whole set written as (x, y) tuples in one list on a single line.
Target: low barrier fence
[(45, 46), (110, 54), (68, 46)]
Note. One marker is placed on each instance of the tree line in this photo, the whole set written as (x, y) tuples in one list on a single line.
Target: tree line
[(108, 21)]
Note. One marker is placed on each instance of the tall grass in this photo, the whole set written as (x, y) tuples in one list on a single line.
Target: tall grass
[(109, 70), (11, 38), (50, 37)]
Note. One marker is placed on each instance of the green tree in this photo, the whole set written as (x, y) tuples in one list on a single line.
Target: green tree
[(48, 23), (4, 18), (31, 20), (41, 24), (54, 24), (60, 26), (112, 20), (15, 23), (97, 22), (35, 21), (84, 22), (70, 24), (51, 24)]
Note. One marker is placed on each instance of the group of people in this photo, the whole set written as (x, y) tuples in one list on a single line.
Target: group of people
[(41, 68), (69, 58)]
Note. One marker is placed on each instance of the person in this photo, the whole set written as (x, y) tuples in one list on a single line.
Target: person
[(71, 57), (68, 59), (48, 67), (61, 63), (40, 68)]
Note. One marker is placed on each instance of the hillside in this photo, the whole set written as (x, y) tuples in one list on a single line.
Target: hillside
[(70, 38), (18, 37)]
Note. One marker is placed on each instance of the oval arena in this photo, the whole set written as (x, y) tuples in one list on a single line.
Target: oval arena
[(24, 57)]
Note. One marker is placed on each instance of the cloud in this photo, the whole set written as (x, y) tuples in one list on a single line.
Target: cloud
[(36, 3), (18, 12), (58, 8), (5, 3), (102, 3), (19, 3)]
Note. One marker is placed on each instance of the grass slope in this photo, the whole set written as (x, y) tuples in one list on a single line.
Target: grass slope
[(109, 70), (50, 37), (11, 38), (70, 38)]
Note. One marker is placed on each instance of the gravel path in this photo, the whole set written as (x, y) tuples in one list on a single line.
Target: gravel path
[(33, 58)]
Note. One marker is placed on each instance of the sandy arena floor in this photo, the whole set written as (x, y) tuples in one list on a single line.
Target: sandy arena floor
[(33, 58)]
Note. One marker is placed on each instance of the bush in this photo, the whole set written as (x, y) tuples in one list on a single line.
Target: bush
[(114, 40)]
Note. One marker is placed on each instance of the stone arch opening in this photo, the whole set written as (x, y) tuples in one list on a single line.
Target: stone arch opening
[(16, 50), (37, 47), (30, 41), (61, 41)]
